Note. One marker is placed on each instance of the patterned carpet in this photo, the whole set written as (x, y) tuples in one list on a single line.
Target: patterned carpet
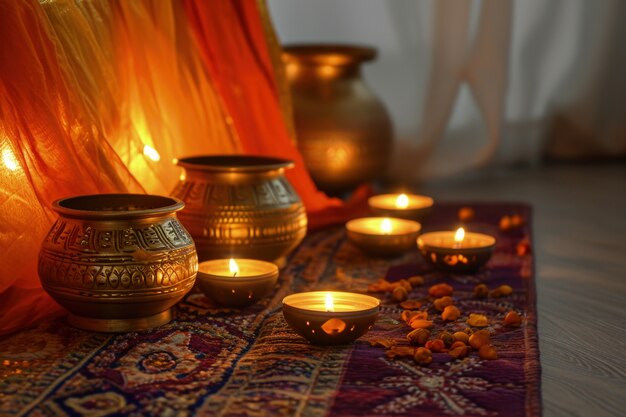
[(217, 362)]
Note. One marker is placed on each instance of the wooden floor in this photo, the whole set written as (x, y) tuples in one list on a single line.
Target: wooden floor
[(580, 247)]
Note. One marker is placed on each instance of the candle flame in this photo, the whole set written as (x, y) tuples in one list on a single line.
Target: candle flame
[(151, 153), (402, 201), (386, 226), (330, 304), (459, 235), (234, 268)]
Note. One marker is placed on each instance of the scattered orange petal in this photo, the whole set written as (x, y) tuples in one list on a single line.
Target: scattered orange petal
[(440, 290), (477, 320), (400, 352)]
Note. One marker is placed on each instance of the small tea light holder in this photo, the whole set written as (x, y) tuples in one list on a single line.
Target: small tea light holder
[(404, 206), (236, 282), (456, 251), (330, 317), (383, 235)]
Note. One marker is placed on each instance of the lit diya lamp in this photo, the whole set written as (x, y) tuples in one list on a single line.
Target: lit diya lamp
[(236, 283), (330, 317), (456, 251), (405, 206), (383, 235)]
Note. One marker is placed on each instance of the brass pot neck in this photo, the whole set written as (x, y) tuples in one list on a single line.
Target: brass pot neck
[(325, 62)]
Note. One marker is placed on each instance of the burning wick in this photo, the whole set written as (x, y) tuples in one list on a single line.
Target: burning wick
[(330, 305), (234, 268), (459, 236), (386, 226), (402, 201)]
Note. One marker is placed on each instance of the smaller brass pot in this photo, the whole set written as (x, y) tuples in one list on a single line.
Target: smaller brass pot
[(117, 262), (352, 316), (240, 206), (254, 282)]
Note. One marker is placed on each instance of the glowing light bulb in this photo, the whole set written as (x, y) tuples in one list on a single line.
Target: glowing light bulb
[(9, 159), (234, 268), (330, 304), (402, 201), (386, 226), (459, 235), (151, 153)]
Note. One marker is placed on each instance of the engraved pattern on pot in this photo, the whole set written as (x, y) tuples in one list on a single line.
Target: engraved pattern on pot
[(127, 259), (246, 214)]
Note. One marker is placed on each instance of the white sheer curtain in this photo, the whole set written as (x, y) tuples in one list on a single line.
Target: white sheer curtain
[(474, 84)]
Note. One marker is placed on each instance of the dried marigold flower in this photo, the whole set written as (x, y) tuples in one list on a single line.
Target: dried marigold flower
[(501, 291), (440, 290), (423, 356), (406, 285), (511, 222), (447, 338), (523, 247), (408, 315), (400, 352), (436, 345), (461, 337), (399, 294), (411, 304), (386, 343), (512, 319), (450, 313), (420, 323), (481, 291), (488, 352), (517, 221), (479, 339), (505, 223), (443, 302), (416, 281), (477, 320), (418, 336), (466, 214), (458, 350), (382, 285)]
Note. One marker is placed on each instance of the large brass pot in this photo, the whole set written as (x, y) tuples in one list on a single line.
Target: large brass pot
[(240, 207), (117, 262), (344, 131)]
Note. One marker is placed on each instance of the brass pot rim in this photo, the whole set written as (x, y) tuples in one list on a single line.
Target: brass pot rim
[(100, 206), (234, 163), (328, 53)]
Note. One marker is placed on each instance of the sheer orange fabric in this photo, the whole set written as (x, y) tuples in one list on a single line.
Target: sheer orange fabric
[(50, 146)]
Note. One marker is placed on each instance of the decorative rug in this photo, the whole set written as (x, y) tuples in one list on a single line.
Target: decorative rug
[(218, 362)]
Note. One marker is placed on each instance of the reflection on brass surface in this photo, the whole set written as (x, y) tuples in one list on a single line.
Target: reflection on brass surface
[(344, 131), (240, 207), (117, 262)]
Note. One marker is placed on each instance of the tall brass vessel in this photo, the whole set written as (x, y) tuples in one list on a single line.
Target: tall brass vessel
[(240, 206), (117, 262), (344, 131)]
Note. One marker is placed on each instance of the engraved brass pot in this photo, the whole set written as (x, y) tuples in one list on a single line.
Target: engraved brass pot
[(344, 131), (118, 262), (240, 206)]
